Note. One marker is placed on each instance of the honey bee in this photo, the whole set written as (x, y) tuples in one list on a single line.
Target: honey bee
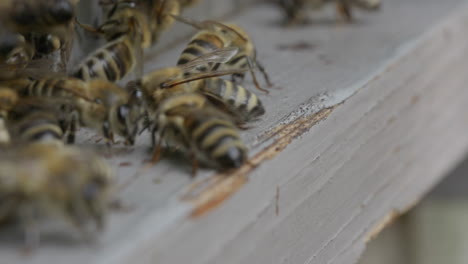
[(119, 20), (113, 61), (39, 181), (14, 50), (161, 11), (188, 122), (8, 100), (213, 35), (15, 54), (153, 18), (36, 15), (43, 17), (97, 104), (295, 10), (35, 121), (239, 102)]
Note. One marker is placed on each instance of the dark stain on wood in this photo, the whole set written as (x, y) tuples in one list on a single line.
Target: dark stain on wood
[(298, 46), (125, 164)]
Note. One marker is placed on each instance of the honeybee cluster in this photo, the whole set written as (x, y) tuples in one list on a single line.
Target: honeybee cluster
[(43, 101)]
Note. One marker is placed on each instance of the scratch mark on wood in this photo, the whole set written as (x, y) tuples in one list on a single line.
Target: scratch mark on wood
[(209, 193), (277, 200)]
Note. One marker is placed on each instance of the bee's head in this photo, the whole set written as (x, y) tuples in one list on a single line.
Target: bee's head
[(62, 11)]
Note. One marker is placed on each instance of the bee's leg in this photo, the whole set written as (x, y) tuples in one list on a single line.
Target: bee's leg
[(243, 126), (32, 236), (157, 145), (72, 126), (76, 216), (88, 28), (108, 135), (194, 164), (250, 65), (344, 10), (265, 74), (237, 78), (154, 140), (157, 153)]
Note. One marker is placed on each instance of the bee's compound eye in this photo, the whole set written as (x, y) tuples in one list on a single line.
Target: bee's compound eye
[(62, 11)]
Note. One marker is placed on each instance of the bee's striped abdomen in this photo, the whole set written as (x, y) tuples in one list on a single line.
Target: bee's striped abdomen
[(201, 44), (32, 124), (216, 139), (112, 62), (238, 100), (238, 62)]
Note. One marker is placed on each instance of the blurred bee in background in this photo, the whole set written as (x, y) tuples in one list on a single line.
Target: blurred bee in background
[(161, 19), (213, 35), (45, 23), (119, 19), (98, 104), (35, 120), (8, 100), (38, 181), (153, 16), (188, 3), (296, 10), (15, 54), (37, 15)]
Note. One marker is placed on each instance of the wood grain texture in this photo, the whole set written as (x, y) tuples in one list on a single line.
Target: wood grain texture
[(358, 127)]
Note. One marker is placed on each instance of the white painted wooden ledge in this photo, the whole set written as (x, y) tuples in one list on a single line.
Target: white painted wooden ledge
[(359, 128)]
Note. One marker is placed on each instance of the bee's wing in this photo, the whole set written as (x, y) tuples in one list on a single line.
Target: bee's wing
[(218, 56), (199, 76), (228, 30), (44, 103), (67, 37), (209, 25), (138, 49), (191, 22), (37, 69), (219, 103)]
